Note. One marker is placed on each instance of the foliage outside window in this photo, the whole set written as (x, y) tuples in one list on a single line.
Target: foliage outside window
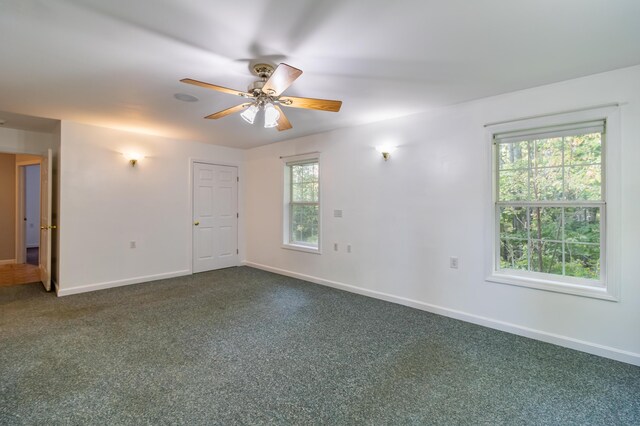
[(550, 203), (303, 203)]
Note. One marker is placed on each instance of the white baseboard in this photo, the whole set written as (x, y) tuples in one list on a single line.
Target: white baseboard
[(119, 283), (556, 339), (7, 262)]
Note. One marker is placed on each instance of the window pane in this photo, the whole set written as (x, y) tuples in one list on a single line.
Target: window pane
[(546, 257), (296, 174), (583, 183), (582, 260), (297, 192), (513, 185), (513, 254), (548, 152), (304, 172), (546, 184), (304, 224), (583, 149), (582, 224), (513, 222), (551, 240), (546, 223), (514, 155), (304, 192)]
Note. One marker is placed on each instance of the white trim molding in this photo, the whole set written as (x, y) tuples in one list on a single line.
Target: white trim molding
[(119, 283), (299, 247), (20, 231), (556, 339), (596, 292), (7, 262)]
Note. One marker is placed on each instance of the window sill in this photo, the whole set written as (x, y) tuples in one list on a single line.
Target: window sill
[(298, 247), (596, 292)]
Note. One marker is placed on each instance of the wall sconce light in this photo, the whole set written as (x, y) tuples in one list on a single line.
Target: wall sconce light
[(386, 151), (133, 158)]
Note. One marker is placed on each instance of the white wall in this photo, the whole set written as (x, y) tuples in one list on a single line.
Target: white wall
[(105, 204), (405, 217), (26, 142), (32, 205)]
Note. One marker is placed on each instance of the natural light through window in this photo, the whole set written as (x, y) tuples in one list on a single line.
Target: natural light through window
[(550, 203), (302, 210)]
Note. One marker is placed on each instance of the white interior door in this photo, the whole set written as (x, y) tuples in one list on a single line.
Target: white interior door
[(215, 217), (46, 226)]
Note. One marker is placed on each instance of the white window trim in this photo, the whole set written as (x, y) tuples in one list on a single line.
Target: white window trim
[(609, 288), (285, 204)]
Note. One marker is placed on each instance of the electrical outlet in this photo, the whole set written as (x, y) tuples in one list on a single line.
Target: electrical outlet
[(132, 244), (453, 262), (348, 248), (335, 246)]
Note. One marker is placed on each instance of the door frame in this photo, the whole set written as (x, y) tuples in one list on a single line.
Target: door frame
[(240, 232), (20, 232)]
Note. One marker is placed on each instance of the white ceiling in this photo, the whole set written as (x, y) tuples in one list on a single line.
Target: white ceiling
[(117, 63), (26, 122)]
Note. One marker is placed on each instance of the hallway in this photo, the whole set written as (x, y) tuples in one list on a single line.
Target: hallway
[(33, 255)]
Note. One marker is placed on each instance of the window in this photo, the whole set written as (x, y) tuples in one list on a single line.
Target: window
[(550, 204), (302, 205)]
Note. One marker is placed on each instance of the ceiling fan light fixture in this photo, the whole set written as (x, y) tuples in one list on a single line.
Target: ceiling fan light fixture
[(265, 94), (271, 116), (249, 114)]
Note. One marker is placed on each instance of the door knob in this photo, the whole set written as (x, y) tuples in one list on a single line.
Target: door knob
[(196, 223), (53, 227), (44, 228)]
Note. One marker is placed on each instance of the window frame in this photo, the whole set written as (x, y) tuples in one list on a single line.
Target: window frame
[(287, 211), (607, 287)]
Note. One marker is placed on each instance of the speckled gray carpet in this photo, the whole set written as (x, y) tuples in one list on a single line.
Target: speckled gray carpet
[(243, 346)]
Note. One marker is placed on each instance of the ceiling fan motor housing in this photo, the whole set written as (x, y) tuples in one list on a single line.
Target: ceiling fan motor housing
[(256, 87), (263, 71)]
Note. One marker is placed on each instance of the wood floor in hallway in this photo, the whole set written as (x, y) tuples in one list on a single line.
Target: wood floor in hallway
[(20, 273)]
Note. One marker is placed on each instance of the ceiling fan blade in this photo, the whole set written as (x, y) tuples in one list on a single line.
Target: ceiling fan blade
[(283, 121), (281, 78), (214, 87), (310, 103), (227, 111)]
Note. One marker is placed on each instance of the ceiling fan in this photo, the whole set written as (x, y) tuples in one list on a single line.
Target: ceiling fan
[(266, 94)]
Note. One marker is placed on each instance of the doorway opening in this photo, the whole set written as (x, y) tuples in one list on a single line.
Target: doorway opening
[(24, 240), (30, 194)]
